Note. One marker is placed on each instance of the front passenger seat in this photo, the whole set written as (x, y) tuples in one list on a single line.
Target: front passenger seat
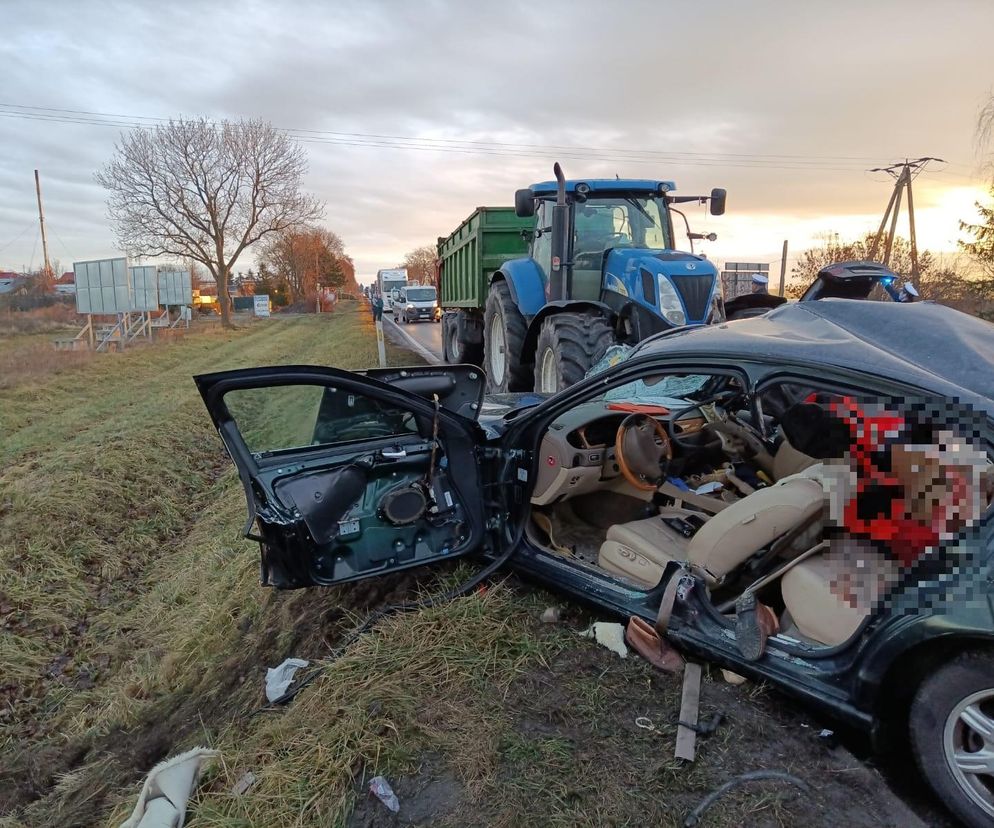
[(640, 550)]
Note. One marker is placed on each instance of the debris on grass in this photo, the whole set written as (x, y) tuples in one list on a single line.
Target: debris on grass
[(279, 679), (245, 781), (755, 776), (380, 788), (167, 789), (552, 615), (609, 635)]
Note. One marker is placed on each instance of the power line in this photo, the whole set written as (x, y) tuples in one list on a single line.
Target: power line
[(18, 236), (840, 163)]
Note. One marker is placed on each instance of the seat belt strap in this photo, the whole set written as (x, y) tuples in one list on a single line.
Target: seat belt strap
[(667, 602), (707, 504)]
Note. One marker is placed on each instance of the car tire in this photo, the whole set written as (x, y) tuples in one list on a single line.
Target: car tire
[(504, 332), (569, 344), (950, 709)]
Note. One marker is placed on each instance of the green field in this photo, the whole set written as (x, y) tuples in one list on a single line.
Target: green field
[(132, 627)]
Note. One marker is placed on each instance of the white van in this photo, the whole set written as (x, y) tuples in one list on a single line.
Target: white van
[(416, 303)]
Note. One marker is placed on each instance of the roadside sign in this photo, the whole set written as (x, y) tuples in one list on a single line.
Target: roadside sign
[(261, 304)]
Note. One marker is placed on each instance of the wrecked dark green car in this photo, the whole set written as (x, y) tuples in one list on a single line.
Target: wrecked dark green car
[(829, 460)]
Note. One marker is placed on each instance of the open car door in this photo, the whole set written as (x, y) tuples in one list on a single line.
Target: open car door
[(351, 475)]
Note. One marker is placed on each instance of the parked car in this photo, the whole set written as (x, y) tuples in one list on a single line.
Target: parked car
[(830, 460), (416, 303), (840, 280)]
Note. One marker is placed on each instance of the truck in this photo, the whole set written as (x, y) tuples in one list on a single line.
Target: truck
[(387, 280), (537, 293)]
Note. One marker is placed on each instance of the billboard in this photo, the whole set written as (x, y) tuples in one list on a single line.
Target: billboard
[(736, 277), (175, 287), (102, 286), (144, 283), (260, 304)]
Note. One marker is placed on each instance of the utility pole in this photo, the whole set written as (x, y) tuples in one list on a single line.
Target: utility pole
[(41, 221), (903, 174), (783, 267)]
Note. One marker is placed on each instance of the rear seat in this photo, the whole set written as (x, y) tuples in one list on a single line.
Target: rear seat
[(828, 596)]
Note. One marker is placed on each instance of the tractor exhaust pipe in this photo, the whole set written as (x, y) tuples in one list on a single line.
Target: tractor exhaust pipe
[(558, 285)]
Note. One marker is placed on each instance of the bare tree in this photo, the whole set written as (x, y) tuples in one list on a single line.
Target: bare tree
[(205, 191), (420, 264), (305, 259)]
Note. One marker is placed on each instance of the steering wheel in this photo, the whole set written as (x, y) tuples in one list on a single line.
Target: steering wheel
[(726, 430), (683, 442), (642, 447)]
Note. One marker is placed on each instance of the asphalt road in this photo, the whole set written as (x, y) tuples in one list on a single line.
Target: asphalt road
[(426, 334)]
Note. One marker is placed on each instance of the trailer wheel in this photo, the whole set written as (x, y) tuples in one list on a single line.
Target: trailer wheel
[(504, 332), (454, 350), (569, 344)]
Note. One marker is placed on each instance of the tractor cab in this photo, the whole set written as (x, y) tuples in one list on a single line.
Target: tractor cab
[(611, 241)]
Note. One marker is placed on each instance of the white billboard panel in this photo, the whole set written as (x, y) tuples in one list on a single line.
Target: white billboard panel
[(175, 287), (260, 304), (144, 281), (102, 286)]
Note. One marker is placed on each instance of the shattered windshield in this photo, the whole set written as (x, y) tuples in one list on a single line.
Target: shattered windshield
[(668, 391)]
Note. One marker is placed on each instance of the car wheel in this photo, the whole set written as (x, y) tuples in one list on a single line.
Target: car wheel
[(569, 345), (504, 340), (952, 735)]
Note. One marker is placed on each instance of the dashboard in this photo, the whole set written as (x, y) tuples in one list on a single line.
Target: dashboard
[(577, 454)]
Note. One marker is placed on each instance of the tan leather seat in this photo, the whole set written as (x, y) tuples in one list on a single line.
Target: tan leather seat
[(641, 549), (829, 595)]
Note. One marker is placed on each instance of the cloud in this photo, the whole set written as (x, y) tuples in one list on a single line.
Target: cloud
[(801, 102)]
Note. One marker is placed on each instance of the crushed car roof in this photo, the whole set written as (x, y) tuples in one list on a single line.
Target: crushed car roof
[(919, 343)]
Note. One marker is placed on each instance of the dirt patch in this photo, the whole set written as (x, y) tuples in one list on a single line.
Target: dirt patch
[(570, 751), (430, 796)]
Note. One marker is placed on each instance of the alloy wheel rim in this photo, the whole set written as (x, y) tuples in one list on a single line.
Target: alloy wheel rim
[(968, 744), (498, 348), (548, 376)]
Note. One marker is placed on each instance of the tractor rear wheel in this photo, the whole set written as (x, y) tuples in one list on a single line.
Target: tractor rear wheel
[(504, 332), (569, 345)]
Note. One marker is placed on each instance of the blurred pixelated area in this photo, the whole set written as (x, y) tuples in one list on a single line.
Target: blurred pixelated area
[(905, 502)]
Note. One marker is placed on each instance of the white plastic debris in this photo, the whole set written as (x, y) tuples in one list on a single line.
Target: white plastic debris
[(608, 635), (552, 615), (245, 781), (709, 488), (380, 788), (278, 679), (167, 789), (733, 678)]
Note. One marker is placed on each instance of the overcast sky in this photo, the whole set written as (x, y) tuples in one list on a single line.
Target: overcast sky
[(786, 104)]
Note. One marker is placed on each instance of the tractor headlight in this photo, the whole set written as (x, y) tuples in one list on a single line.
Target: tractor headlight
[(669, 302)]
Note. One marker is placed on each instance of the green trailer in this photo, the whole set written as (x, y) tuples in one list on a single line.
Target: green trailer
[(466, 260)]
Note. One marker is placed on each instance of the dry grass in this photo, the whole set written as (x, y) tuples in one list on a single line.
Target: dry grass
[(52, 319), (132, 627)]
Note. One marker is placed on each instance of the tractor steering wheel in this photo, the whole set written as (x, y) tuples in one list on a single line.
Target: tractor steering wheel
[(643, 451)]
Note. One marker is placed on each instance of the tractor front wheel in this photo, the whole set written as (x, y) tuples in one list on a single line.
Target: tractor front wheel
[(569, 345)]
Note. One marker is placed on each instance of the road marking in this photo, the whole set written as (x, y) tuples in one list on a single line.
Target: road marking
[(414, 345)]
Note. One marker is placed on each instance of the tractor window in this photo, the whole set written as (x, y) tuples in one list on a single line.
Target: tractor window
[(542, 246), (620, 222)]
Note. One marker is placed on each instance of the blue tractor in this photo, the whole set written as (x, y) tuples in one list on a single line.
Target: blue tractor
[(602, 270)]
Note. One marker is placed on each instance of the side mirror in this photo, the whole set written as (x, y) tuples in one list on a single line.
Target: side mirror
[(717, 203), (524, 203)]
